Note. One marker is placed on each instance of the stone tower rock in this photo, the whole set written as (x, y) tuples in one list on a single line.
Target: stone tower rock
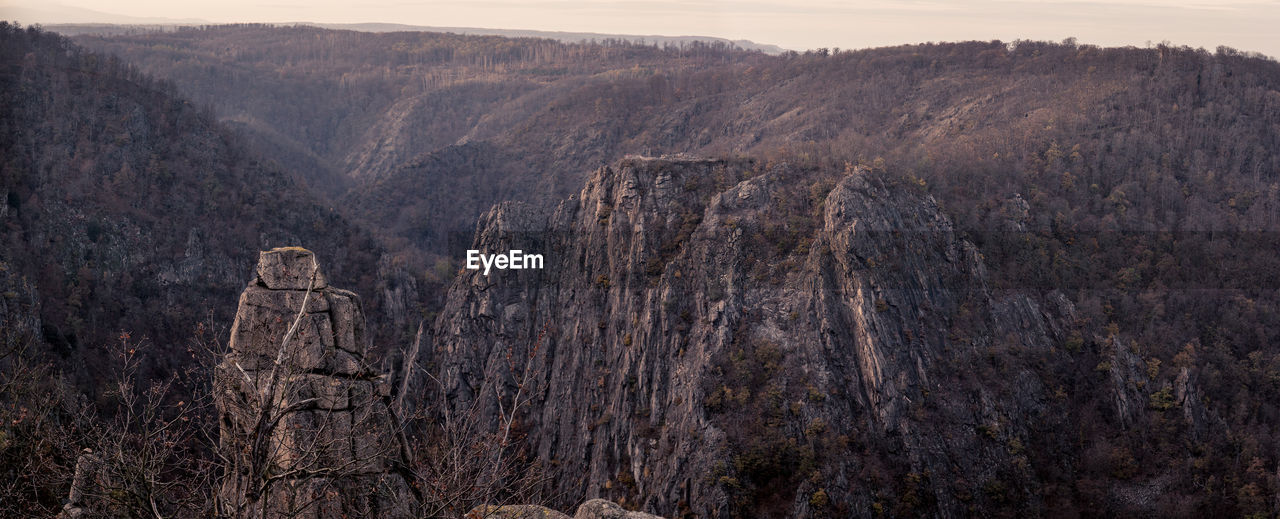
[(305, 423)]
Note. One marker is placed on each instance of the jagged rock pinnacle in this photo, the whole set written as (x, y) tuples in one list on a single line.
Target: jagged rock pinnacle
[(304, 422)]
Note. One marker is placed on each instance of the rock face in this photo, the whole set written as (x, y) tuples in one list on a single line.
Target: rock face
[(721, 338), (306, 427)]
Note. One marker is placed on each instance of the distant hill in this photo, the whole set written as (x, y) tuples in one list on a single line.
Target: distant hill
[(57, 13), (112, 29), (106, 29), (561, 36)]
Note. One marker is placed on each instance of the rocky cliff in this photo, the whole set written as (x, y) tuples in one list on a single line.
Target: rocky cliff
[(306, 425), (305, 422), (721, 337)]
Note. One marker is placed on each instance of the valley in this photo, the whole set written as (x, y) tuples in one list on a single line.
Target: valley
[(978, 278)]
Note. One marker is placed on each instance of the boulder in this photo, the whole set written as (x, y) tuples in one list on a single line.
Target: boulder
[(602, 509)]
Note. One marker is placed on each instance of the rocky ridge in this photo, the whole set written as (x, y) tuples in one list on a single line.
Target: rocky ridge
[(697, 357)]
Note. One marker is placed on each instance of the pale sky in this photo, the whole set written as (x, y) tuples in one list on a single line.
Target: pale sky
[(1250, 25)]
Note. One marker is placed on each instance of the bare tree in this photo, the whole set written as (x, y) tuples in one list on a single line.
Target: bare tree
[(463, 460), (40, 425), (148, 460), (139, 455)]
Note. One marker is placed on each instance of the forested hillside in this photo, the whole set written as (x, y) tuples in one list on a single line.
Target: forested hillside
[(386, 110), (128, 209), (1143, 184)]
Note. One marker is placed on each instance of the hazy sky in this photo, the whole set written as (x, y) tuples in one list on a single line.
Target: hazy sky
[(800, 24)]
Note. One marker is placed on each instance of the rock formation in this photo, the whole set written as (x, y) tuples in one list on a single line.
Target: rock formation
[(592, 509), (82, 485), (602, 509), (725, 339), (513, 512), (305, 422)]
